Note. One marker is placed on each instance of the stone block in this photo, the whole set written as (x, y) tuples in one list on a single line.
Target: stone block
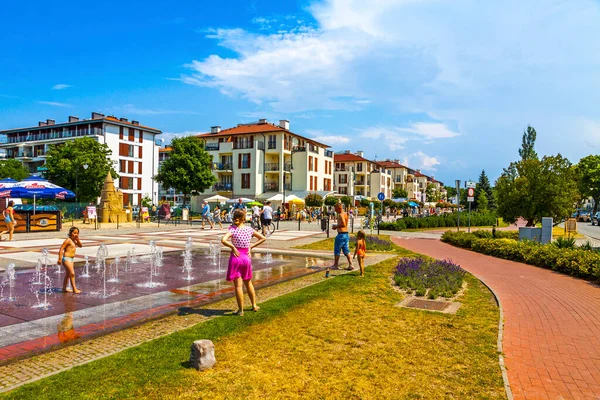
[(530, 233), (203, 355), (547, 230)]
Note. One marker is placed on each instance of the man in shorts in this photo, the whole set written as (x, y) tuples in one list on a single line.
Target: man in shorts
[(266, 215), (206, 214), (342, 239)]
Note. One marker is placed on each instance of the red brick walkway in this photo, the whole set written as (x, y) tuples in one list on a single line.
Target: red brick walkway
[(551, 323)]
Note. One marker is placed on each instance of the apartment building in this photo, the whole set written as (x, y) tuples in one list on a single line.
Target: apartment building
[(357, 176), (133, 146), (262, 159)]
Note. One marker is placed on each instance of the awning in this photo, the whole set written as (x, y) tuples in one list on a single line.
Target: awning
[(413, 204)]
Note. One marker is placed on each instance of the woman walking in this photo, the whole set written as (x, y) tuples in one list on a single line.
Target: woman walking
[(9, 219)]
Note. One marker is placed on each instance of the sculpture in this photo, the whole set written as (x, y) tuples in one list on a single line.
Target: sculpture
[(111, 203)]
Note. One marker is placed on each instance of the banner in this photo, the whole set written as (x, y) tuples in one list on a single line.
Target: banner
[(91, 212)]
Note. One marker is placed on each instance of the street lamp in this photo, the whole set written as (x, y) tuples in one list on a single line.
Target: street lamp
[(85, 166)]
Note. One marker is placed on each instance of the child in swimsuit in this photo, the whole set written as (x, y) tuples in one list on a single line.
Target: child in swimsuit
[(361, 251), (240, 264), (66, 257)]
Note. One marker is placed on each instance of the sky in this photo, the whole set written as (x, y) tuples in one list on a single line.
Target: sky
[(447, 87)]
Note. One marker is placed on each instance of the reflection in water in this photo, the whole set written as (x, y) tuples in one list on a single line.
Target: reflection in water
[(66, 330)]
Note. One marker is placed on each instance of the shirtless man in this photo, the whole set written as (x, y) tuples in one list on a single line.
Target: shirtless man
[(66, 257), (342, 239)]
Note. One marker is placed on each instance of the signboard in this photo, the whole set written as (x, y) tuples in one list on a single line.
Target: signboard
[(91, 212), (470, 194), (381, 196), (470, 184), (42, 169)]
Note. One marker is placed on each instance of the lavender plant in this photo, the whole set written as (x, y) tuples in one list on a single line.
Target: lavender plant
[(442, 277)]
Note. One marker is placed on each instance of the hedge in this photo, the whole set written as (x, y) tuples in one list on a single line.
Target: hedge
[(577, 262), (440, 221)]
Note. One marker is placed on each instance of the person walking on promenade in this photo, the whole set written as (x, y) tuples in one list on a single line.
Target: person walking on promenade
[(361, 251), (239, 205), (239, 269), (217, 216), (66, 257), (206, 214), (9, 219), (266, 216), (342, 238)]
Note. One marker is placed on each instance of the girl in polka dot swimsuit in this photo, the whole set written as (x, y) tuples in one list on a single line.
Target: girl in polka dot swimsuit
[(240, 264)]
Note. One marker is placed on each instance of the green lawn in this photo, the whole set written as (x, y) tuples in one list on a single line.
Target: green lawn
[(327, 245), (342, 338)]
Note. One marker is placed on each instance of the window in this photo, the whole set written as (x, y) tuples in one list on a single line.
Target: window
[(316, 164), (272, 143), (343, 190), (131, 134), (130, 167), (244, 160), (311, 182), (344, 178), (129, 150), (122, 165), (140, 168), (140, 151), (245, 181), (359, 167), (310, 166), (121, 132)]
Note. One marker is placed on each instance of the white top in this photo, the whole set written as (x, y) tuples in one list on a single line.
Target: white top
[(255, 210), (267, 212)]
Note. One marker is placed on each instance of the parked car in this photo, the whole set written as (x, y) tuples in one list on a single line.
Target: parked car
[(582, 216), (595, 218)]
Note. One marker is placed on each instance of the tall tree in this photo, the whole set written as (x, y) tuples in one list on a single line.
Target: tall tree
[(11, 168), (188, 167), (527, 151), (484, 184), (399, 193), (588, 170), (482, 200), (533, 189), (65, 163)]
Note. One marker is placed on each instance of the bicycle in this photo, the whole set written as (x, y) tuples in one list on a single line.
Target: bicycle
[(254, 223)]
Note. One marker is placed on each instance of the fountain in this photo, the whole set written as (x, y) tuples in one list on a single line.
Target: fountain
[(187, 259), (9, 278), (133, 258), (101, 266), (42, 279), (154, 258), (86, 268), (36, 278)]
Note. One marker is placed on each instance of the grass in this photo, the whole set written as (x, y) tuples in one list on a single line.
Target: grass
[(342, 338), (327, 245)]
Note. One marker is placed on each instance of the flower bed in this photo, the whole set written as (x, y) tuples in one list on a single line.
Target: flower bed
[(429, 277), (577, 262)]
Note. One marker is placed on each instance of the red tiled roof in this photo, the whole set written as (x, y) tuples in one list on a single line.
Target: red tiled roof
[(256, 128), (391, 164), (348, 157)]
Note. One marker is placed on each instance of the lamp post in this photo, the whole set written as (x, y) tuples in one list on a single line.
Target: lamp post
[(85, 166)]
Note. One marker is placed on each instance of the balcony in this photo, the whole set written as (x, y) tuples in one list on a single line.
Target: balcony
[(222, 167), (287, 166), (271, 145), (211, 147), (272, 167), (24, 154), (223, 187), (271, 187), (297, 149), (243, 145), (340, 169)]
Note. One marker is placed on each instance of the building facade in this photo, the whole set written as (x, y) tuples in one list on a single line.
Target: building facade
[(262, 159), (134, 149), (357, 176)]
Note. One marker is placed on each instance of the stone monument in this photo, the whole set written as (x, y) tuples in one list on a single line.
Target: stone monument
[(111, 202), (202, 356)]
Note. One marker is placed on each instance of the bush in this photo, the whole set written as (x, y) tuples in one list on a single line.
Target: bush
[(572, 261), (442, 278), (564, 243), (313, 200), (331, 201), (436, 221)]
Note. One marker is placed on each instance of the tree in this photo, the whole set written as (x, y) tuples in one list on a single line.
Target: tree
[(346, 200), (12, 168), (313, 200), (484, 184), (527, 151), (399, 193), (188, 168), (331, 201), (65, 167), (482, 200), (533, 189), (588, 170)]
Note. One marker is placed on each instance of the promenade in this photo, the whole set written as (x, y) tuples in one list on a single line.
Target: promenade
[(551, 338)]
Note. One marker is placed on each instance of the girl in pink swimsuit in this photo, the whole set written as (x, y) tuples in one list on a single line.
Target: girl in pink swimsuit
[(240, 263)]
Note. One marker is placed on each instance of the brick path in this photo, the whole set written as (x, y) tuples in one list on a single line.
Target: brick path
[(551, 323)]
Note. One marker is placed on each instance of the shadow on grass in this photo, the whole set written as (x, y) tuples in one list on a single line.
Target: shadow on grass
[(202, 311)]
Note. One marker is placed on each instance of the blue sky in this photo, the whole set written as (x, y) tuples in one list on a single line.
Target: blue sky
[(444, 86)]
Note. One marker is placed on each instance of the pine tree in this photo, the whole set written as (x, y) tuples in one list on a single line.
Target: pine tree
[(482, 201), (527, 151), (484, 184)]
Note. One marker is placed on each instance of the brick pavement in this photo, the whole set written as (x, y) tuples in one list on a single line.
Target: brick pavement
[(551, 338)]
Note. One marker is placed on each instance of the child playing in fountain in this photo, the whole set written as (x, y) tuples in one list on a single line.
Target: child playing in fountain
[(361, 251), (240, 264), (66, 257)]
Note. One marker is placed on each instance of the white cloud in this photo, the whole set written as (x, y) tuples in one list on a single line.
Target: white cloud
[(54, 103), (397, 137), (169, 136), (132, 109), (9, 96), (591, 132), (422, 161), (332, 140), (60, 86)]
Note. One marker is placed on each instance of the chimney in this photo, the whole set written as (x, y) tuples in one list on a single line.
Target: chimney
[(50, 122), (123, 119), (73, 119), (96, 115), (41, 123), (397, 161), (360, 153), (346, 151), (215, 129), (262, 121), (285, 124), (134, 122)]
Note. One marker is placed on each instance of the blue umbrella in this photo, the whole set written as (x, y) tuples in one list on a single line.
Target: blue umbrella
[(39, 188)]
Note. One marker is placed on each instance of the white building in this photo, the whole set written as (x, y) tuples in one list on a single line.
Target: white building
[(133, 146), (262, 159), (358, 176)]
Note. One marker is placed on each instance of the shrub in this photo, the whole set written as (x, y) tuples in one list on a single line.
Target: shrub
[(564, 243), (446, 220), (313, 200), (442, 278)]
